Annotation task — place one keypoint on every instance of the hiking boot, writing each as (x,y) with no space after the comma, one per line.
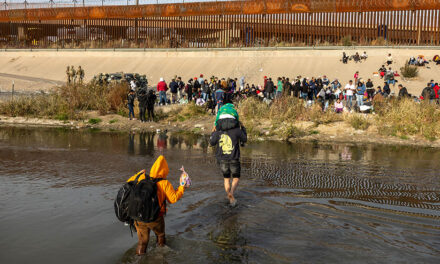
(141,250)
(161,241)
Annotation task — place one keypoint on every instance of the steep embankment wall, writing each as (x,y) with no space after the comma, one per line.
(40,70)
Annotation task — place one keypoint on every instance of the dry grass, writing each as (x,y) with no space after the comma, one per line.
(281,115)
(408,118)
(401,118)
(285,109)
(186,112)
(68,102)
(409,71)
(358,121)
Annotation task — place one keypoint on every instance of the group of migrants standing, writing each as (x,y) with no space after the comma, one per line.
(211,94)
(75,76)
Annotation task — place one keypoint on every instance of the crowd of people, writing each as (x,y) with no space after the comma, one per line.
(355,57)
(357,94)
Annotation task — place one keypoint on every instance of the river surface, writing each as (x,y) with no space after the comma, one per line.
(297,203)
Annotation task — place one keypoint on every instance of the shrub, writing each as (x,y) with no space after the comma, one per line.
(186,112)
(116,97)
(62,116)
(409,71)
(359,122)
(95,121)
(291,131)
(406,117)
(252,108)
(68,102)
(316,115)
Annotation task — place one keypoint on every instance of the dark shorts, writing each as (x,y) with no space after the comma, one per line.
(230,167)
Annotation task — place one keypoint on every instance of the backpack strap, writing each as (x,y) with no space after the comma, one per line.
(137,177)
(156,180)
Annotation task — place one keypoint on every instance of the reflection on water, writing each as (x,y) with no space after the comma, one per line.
(297,202)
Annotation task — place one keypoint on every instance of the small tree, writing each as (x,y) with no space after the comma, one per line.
(409,71)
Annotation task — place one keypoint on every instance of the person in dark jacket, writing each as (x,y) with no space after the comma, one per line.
(181,88)
(196,88)
(297,88)
(386,89)
(403,92)
(174,88)
(130,103)
(227,141)
(205,90)
(370,88)
(428,93)
(304,89)
(344,58)
(288,87)
(142,98)
(269,89)
(189,89)
(150,101)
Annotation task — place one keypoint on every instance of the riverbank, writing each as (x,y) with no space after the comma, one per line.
(341,130)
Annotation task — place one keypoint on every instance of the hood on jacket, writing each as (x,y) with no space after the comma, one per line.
(160,168)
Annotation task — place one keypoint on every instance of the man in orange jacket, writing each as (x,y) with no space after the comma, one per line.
(164,191)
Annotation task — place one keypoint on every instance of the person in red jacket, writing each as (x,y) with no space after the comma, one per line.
(437,94)
(162,89)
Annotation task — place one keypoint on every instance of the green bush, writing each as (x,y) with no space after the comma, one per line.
(409,71)
(62,116)
(95,121)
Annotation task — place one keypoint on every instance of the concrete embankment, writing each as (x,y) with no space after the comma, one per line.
(43,69)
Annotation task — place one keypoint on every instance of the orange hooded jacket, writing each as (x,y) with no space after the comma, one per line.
(165,189)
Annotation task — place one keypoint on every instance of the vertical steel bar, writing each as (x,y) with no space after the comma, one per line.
(437,27)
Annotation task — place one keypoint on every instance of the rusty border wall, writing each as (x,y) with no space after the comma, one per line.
(225,24)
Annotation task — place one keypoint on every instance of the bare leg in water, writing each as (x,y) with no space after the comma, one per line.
(230,190)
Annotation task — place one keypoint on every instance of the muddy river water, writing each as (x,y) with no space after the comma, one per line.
(297,203)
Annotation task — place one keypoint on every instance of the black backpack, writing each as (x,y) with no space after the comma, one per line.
(122,200)
(143,203)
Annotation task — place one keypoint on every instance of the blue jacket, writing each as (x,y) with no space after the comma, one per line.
(362,90)
(219,96)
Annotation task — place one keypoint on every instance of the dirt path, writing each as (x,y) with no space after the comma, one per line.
(32,79)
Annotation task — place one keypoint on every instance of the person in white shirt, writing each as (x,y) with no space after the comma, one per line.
(349,91)
(364,56)
(133,85)
(200,101)
(389,59)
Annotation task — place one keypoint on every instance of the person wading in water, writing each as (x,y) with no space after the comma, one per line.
(228,134)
